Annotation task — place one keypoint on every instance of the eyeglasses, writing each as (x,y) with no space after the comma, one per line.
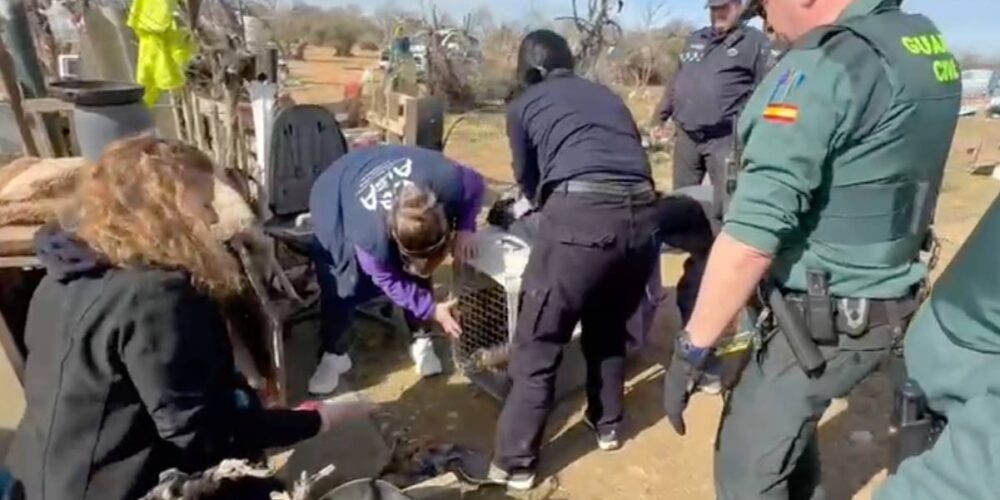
(416,262)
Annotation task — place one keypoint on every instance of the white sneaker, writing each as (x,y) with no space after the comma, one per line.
(710,383)
(426,360)
(518,481)
(326,378)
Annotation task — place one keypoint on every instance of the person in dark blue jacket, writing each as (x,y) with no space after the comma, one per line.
(384,218)
(578,156)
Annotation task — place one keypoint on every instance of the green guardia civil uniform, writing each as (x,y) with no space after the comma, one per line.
(845,143)
(952,350)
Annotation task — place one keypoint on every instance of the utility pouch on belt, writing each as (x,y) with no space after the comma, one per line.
(732,171)
(916,428)
(734,161)
(819,307)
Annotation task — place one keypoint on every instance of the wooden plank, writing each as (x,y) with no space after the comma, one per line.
(26,262)
(188,112)
(215,131)
(199,122)
(10,350)
(47,105)
(242,155)
(410,121)
(17,241)
(391,126)
(41,135)
(177,109)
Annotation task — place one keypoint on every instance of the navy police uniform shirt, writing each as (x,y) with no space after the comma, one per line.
(350,202)
(566,127)
(717,74)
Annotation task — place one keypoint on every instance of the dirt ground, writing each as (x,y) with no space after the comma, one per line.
(655,463)
(321,77)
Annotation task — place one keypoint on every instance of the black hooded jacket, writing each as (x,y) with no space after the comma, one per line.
(129,372)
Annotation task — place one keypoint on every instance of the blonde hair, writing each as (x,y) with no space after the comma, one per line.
(418,222)
(130,208)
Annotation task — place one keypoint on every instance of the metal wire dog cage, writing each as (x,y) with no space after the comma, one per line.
(488,289)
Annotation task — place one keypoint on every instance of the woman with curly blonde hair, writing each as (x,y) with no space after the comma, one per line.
(129,369)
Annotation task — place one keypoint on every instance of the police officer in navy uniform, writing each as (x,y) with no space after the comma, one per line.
(719,68)
(578,155)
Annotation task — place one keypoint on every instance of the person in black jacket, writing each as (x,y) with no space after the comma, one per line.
(578,156)
(129,369)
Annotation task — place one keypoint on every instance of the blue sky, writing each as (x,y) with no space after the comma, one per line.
(968,25)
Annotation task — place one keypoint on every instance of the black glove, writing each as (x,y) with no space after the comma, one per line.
(681,379)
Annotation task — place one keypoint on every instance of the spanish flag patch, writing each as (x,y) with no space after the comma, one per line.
(781,113)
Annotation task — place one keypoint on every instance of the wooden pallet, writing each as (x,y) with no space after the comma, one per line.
(405,119)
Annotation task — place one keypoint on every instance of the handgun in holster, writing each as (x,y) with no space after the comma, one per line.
(793,327)
(916,427)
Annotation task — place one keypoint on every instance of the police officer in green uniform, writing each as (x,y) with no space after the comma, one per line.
(952,352)
(845,146)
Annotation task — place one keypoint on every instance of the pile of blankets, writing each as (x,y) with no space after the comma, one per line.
(32,192)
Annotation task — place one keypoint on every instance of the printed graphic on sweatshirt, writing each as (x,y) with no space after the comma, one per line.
(378,188)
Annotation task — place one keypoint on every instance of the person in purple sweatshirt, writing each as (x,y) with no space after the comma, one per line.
(384,218)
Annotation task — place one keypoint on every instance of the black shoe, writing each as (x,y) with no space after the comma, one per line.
(607,440)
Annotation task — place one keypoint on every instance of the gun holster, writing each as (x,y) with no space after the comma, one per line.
(916,427)
(793,326)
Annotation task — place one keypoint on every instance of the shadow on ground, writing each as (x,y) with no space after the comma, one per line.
(448,409)
(854,439)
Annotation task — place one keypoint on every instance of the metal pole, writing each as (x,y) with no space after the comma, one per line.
(8,76)
(17,35)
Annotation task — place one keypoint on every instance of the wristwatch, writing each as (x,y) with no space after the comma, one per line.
(697,356)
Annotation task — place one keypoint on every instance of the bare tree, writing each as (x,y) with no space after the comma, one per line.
(480,22)
(642,73)
(598,31)
(442,77)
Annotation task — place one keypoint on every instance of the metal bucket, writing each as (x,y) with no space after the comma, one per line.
(365,489)
(104,111)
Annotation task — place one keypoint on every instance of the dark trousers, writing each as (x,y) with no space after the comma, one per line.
(694,159)
(689,284)
(338,313)
(590,265)
(767,446)
(683,223)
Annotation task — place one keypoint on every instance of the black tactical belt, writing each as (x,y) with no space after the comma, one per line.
(880,312)
(623,190)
